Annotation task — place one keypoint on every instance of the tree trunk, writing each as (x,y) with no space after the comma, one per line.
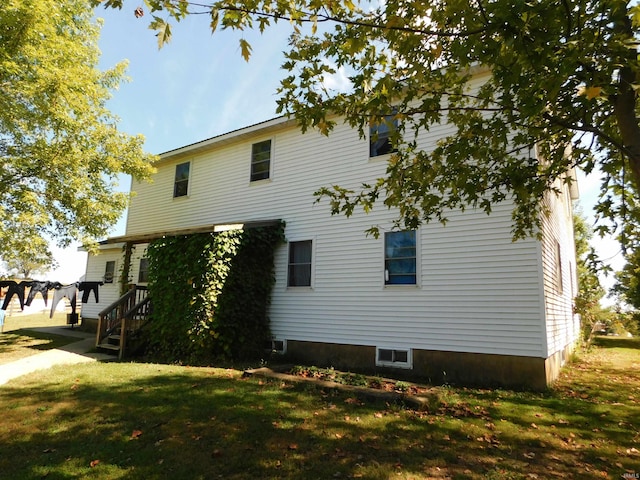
(624,102)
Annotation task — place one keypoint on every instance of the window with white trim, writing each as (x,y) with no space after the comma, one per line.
(393,357)
(261,160)
(380,136)
(143,271)
(400,262)
(109,271)
(299,271)
(181,181)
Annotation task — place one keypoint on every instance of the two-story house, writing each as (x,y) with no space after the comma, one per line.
(455,303)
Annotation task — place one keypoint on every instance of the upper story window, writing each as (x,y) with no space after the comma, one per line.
(260,160)
(380,136)
(181,182)
(143,271)
(400,258)
(299,274)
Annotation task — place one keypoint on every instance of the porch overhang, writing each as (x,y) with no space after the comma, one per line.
(210,228)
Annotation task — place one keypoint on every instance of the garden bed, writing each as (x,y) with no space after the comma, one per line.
(370,387)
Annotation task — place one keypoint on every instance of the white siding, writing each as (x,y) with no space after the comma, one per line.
(107,293)
(478,291)
(562,326)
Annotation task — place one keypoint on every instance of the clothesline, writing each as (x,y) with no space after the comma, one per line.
(42,287)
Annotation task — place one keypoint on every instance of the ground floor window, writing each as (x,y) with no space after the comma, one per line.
(392,357)
(299,272)
(400,258)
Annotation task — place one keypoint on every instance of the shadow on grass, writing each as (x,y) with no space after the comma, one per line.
(33,340)
(115,421)
(617,342)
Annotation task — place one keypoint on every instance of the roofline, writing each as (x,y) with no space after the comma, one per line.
(266,126)
(208,228)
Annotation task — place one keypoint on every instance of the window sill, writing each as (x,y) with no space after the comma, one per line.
(263,181)
(403,286)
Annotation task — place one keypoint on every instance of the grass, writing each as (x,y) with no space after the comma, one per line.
(148,421)
(18,341)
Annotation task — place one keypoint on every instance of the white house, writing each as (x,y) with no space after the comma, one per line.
(456,303)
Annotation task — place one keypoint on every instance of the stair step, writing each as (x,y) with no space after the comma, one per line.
(109,346)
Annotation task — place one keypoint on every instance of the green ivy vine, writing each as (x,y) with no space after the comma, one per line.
(210,294)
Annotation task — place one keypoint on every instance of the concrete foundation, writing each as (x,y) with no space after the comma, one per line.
(438,367)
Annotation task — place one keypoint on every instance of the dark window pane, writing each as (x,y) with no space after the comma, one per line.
(400,258)
(181,182)
(299,264)
(379,137)
(260,160)
(399,266)
(385,355)
(182,171)
(109,271)
(143,272)
(401,356)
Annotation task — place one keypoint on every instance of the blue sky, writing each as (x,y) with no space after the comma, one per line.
(194,88)
(199,86)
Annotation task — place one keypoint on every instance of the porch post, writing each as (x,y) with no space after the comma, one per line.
(126,267)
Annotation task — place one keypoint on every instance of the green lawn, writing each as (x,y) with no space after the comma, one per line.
(148,421)
(17,341)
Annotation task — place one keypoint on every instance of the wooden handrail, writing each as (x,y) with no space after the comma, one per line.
(120,313)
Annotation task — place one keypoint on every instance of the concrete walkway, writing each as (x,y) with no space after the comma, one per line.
(72,353)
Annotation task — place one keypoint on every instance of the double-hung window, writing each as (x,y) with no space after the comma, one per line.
(181,181)
(400,258)
(260,160)
(109,271)
(143,271)
(299,272)
(380,136)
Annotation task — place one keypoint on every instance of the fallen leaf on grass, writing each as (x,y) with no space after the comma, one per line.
(136,433)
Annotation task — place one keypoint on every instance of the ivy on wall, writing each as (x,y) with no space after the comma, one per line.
(210,294)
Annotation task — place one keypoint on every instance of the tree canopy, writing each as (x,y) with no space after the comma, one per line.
(60,149)
(562,88)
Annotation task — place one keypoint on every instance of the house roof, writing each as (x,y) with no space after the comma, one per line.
(267,126)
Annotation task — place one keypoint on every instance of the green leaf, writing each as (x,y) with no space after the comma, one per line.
(245,49)
(163,30)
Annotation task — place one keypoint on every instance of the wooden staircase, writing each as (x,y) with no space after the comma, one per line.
(121,319)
